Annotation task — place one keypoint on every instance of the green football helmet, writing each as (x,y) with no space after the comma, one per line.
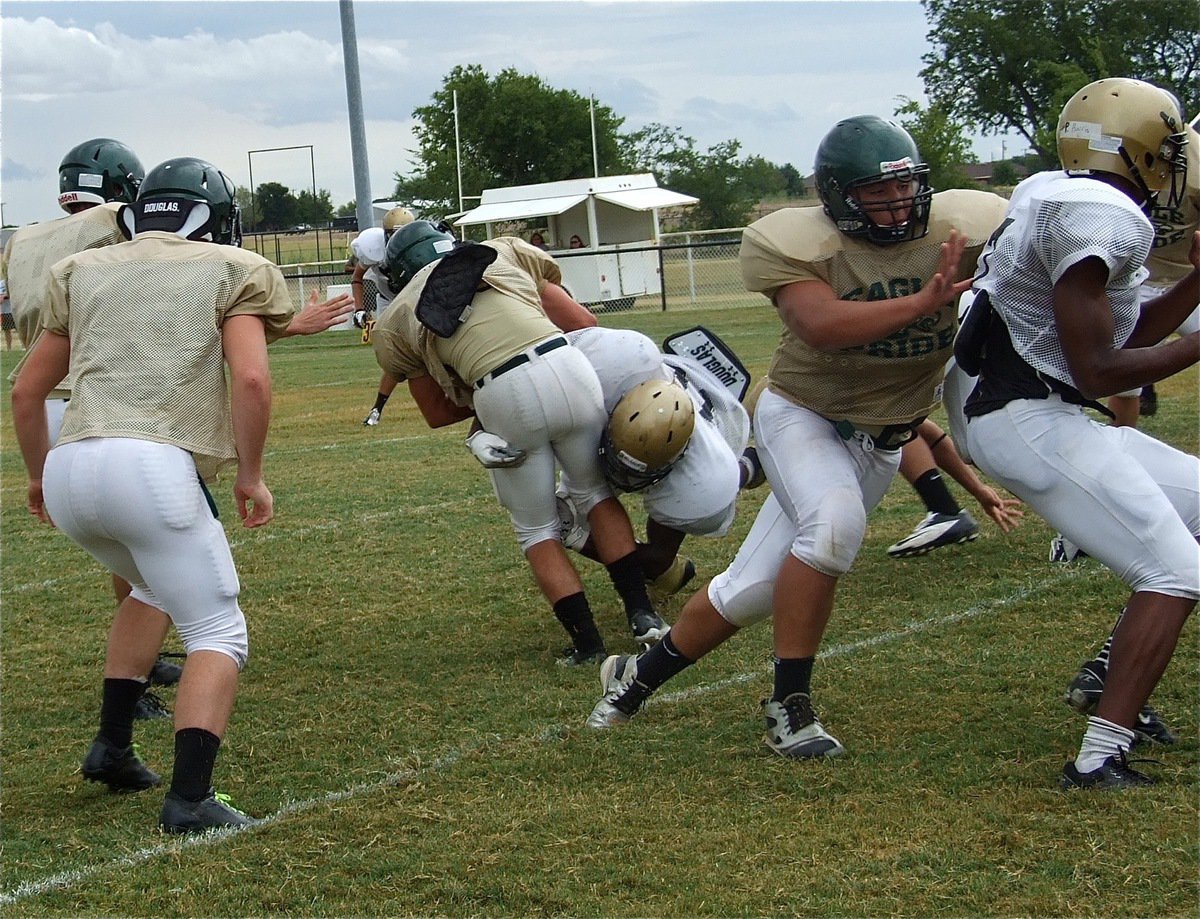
(189,182)
(412,247)
(98,171)
(862,151)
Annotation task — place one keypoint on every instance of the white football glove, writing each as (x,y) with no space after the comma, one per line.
(493,451)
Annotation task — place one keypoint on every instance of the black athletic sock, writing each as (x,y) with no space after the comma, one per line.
(659,664)
(195,754)
(117,705)
(933,491)
(792,675)
(575,614)
(630,583)
(381,401)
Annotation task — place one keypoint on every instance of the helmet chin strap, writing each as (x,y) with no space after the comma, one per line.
(1148,196)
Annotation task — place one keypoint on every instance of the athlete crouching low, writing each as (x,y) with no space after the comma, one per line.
(151,418)
(473,331)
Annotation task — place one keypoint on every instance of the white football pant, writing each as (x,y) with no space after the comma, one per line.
(137,507)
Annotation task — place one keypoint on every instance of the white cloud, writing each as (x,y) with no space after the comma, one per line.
(256,75)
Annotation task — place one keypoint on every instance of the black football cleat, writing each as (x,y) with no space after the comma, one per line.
(120,769)
(212,812)
(1113,774)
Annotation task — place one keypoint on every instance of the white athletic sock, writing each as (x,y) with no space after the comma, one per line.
(1101,740)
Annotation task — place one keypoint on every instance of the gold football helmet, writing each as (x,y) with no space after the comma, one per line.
(1127,128)
(395,219)
(646,434)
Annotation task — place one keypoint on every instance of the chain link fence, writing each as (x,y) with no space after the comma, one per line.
(699,270)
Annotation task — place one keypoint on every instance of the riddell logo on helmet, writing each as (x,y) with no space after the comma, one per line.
(896,165)
(69,197)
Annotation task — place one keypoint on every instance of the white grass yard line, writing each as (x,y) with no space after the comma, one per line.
(66,879)
(1060,574)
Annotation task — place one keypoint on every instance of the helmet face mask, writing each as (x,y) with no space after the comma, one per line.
(867,168)
(192,198)
(648,431)
(1127,128)
(98,171)
(413,246)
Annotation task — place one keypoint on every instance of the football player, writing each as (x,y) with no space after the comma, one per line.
(1056,325)
(865,288)
(1168,263)
(369,248)
(95,179)
(675,436)
(475,330)
(144,430)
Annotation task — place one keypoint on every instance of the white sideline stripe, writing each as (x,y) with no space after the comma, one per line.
(278,534)
(453,757)
(179,843)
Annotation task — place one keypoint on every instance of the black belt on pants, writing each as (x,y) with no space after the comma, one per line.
(523,358)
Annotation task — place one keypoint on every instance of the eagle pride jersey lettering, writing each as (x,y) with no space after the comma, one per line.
(898,378)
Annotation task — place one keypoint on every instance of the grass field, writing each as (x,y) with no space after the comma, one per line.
(415,751)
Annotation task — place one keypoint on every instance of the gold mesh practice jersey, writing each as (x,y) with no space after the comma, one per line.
(1174,226)
(505,319)
(898,378)
(144,320)
(33,249)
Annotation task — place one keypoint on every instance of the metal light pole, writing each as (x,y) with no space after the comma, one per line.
(358,133)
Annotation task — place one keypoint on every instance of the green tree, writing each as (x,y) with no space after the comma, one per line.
(941,142)
(656,148)
(793,182)
(1005,173)
(728,188)
(248,206)
(1010,65)
(315,210)
(276,205)
(514,129)
(349,209)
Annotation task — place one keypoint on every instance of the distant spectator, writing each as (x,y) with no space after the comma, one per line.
(536,240)
(576,242)
(9,325)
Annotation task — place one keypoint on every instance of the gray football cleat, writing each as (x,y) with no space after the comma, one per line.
(793,729)
(618,704)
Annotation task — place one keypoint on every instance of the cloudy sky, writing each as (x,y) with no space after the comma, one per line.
(219,79)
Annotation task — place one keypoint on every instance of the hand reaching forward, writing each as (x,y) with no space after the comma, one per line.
(942,288)
(317,317)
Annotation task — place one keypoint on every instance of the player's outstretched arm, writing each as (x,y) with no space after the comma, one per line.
(317,317)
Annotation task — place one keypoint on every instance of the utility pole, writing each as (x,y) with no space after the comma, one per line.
(358,133)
